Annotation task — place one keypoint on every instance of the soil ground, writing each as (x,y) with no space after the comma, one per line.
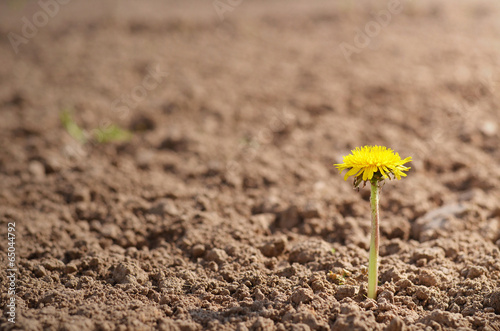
(223,211)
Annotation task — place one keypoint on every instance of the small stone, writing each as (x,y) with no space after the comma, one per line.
(489,128)
(36,169)
(198,250)
(302,295)
(217,255)
(346,291)
(164,206)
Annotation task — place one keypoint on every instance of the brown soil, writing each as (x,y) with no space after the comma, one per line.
(222,211)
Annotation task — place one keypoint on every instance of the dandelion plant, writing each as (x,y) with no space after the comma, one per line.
(373,164)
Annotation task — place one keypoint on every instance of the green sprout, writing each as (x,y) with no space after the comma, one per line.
(373,164)
(71,127)
(109,133)
(340,278)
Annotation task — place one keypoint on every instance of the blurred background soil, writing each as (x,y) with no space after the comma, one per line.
(223,211)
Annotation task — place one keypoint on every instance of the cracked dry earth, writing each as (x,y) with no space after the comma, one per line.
(224,212)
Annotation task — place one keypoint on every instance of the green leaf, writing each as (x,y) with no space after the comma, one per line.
(71,127)
(111,133)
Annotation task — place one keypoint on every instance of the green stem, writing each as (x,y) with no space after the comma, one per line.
(374,242)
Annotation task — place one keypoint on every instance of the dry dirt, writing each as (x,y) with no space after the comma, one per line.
(224,212)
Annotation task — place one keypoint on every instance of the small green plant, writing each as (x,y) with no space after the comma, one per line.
(71,127)
(341,278)
(109,133)
(338,279)
(373,164)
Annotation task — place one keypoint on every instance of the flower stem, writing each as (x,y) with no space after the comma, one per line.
(374,242)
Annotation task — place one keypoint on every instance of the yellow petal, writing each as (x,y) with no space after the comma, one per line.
(351,172)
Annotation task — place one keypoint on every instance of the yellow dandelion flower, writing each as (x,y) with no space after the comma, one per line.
(373,163)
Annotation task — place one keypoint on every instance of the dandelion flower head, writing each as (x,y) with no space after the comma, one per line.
(373,163)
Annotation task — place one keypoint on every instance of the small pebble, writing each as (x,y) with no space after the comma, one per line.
(489,128)
(198,250)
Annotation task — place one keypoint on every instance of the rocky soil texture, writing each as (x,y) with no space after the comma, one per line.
(223,211)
